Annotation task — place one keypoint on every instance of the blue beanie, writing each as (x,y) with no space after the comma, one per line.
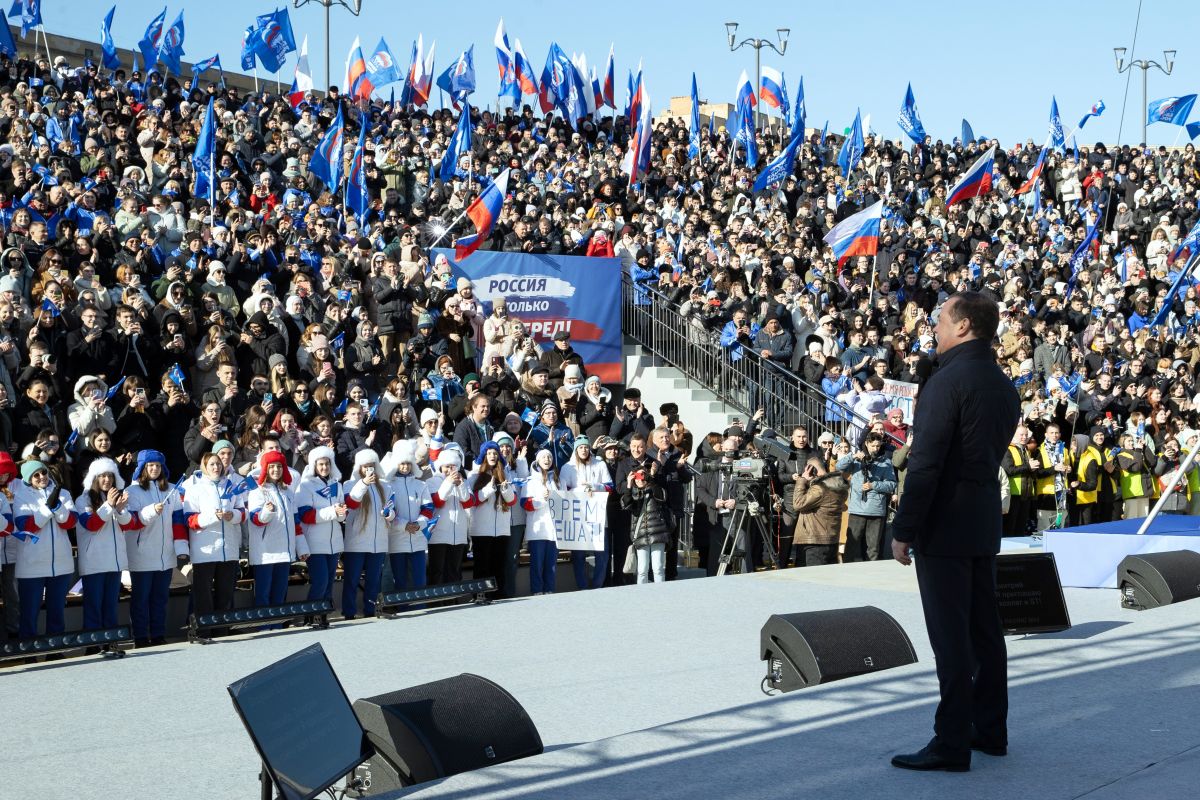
(150,456)
(483,448)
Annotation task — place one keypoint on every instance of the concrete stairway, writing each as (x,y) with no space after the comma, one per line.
(699,408)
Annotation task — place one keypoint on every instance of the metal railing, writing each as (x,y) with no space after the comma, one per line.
(746,383)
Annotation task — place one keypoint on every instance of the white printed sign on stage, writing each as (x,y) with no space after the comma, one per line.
(579,519)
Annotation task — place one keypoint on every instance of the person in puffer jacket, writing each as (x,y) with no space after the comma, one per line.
(321,504)
(540,534)
(214,508)
(407,545)
(370,513)
(42,515)
(157,512)
(103,512)
(90,411)
(589,474)
(276,539)
(494,496)
(649,533)
(452,502)
(517,472)
(8,545)
(872,484)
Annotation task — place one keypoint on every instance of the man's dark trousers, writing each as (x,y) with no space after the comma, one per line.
(958,595)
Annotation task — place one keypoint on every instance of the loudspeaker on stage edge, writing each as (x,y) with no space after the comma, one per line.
(1158,579)
(815,647)
(442,728)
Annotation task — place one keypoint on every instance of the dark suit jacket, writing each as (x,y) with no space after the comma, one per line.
(964,419)
(707,487)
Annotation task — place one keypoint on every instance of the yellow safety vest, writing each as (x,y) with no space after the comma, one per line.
(1016,483)
(1133,484)
(1046,485)
(1091,455)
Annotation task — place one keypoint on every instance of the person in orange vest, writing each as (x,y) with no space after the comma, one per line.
(1019,471)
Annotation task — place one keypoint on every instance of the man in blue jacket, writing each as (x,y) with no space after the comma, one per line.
(872,484)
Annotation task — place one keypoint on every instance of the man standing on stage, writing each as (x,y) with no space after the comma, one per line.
(949,517)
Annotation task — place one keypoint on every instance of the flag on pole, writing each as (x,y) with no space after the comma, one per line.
(358,199)
(484,212)
(150,40)
(302,82)
(608,88)
(175,373)
(358,81)
(272,39)
(459,146)
(910,120)
(694,128)
(200,67)
(852,149)
(975,181)
(29,12)
(770,89)
(1057,137)
(170,46)
(637,159)
(8,45)
(1174,110)
(1036,172)
(108,48)
(1184,274)
(506,64)
(423,81)
(202,157)
(526,77)
(800,111)
(1096,111)
(326,162)
(781,167)
(856,235)
(743,120)
(968,135)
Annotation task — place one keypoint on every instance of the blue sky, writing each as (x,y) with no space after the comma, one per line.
(996,65)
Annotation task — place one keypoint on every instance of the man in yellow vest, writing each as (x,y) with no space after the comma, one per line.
(1136,462)
(1052,477)
(1021,484)
(1096,485)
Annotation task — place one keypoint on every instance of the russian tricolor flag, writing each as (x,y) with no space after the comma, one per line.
(358,84)
(525,75)
(1037,171)
(745,92)
(771,90)
(637,158)
(975,181)
(857,235)
(302,83)
(483,212)
(608,89)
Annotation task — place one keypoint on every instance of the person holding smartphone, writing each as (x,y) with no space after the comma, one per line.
(90,411)
(370,512)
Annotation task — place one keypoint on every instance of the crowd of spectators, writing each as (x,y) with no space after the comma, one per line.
(148,336)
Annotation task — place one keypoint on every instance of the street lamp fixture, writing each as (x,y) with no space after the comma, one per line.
(758,45)
(1144,66)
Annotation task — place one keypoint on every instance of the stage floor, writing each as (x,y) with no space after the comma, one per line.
(649,691)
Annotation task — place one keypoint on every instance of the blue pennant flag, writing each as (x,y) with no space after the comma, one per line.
(459,146)
(780,168)
(175,373)
(968,135)
(1174,110)
(1057,137)
(112,392)
(529,417)
(910,121)
(338,342)
(170,47)
(108,48)
(48,307)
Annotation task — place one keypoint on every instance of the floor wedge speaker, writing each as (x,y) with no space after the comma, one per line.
(443,728)
(821,646)
(1150,580)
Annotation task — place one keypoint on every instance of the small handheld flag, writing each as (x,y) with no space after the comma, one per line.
(175,373)
(111,393)
(48,307)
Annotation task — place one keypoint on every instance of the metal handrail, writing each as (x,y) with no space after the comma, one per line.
(747,383)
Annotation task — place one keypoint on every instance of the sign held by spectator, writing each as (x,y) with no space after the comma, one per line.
(579,519)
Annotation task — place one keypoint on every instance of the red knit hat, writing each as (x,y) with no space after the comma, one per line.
(273,457)
(7,465)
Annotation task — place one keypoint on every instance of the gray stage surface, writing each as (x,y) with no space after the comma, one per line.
(648,692)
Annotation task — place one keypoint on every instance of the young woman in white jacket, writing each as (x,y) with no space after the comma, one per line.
(588,473)
(42,515)
(369,515)
(493,497)
(103,511)
(275,536)
(321,504)
(8,545)
(517,471)
(214,508)
(541,539)
(157,517)
(452,502)
(407,546)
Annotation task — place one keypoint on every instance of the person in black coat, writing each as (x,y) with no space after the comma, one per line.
(949,516)
(631,418)
(259,341)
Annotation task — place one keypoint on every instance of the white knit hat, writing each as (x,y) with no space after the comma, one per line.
(449,458)
(315,455)
(98,468)
(364,457)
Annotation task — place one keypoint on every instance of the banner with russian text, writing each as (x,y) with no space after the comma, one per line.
(579,519)
(577,294)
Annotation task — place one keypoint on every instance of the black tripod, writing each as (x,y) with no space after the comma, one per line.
(748,516)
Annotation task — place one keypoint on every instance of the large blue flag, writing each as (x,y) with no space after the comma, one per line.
(170,47)
(743,120)
(326,162)
(202,158)
(1174,110)
(108,48)
(778,170)
(248,41)
(459,146)
(910,121)
(358,199)
(150,40)
(801,111)
(852,149)
(1079,257)
(1057,137)
(381,67)
(563,86)
(272,39)
(968,135)
(458,79)
(1184,274)
(8,45)
(201,67)
(29,12)
(694,128)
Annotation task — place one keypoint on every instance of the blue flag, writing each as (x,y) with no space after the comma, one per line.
(381,67)
(1174,110)
(910,121)
(801,111)
(390,505)
(202,157)
(694,128)
(968,135)
(175,373)
(54,133)
(248,41)
(108,47)
(1057,137)
(170,47)
(72,440)
(150,40)
(529,417)
(326,162)
(852,149)
(1096,111)
(1184,274)
(48,307)
(743,120)
(327,491)
(112,392)
(1080,256)
(272,39)
(29,12)
(778,170)
(459,146)
(200,67)
(462,77)
(8,46)
(338,342)
(358,199)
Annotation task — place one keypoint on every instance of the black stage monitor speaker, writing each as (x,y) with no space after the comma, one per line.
(1029,594)
(821,646)
(443,728)
(1158,579)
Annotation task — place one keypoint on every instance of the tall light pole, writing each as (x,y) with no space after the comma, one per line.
(1144,66)
(355,8)
(758,45)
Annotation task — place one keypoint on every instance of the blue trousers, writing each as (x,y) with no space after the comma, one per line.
(270,583)
(579,564)
(101,591)
(321,569)
(408,570)
(353,565)
(148,603)
(31,591)
(542,555)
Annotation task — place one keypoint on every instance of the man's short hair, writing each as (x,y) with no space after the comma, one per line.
(979,310)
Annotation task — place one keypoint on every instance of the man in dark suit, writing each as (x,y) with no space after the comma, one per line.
(949,516)
(715,495)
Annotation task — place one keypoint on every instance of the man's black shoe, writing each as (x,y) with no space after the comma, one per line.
(988,748)
(928,759)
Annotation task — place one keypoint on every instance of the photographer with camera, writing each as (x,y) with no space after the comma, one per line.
(818,499)
(872,483)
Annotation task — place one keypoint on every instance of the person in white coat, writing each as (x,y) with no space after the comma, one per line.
(42,514)
(541,538)
(157,516)
(321,504)
(276,539)
(587,473)
(370,512)
(452,502)
(8,546)
(407,546)
(493,498)
(517,471)
(214,508)
(102,509)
